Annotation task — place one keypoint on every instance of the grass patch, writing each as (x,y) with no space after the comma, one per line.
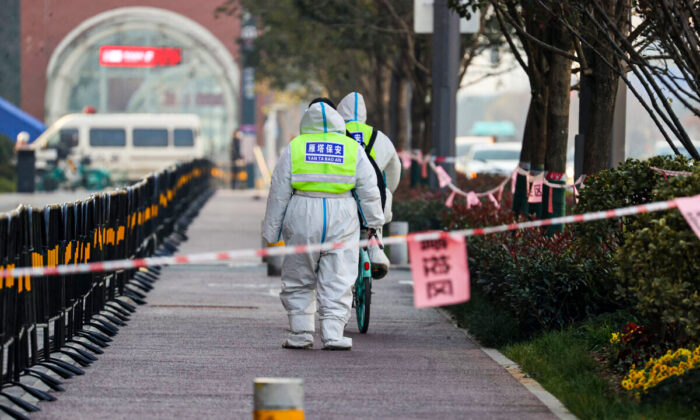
(564,361)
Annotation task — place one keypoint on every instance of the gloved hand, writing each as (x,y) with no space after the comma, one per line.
(372,233)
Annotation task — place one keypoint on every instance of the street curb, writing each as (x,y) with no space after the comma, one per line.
(549,400)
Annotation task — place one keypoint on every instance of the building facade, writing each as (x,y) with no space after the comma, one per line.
(62,69)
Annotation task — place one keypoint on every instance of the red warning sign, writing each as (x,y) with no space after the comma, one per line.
(440,271)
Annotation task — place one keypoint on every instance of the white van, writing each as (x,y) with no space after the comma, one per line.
(136,144)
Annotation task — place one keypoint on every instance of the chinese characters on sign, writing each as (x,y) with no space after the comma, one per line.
(536,191)
(359,137)
(439,270)
(322,152)
(133,56)
(690,209)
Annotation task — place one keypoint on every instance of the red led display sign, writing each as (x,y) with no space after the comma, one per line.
(131,56)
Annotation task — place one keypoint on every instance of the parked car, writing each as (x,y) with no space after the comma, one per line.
(495,158)
(463,145)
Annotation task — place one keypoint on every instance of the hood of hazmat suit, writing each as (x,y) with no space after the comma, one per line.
(352,108)
(310,217)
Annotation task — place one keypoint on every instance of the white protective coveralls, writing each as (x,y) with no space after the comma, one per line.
(352,108)
(303,217)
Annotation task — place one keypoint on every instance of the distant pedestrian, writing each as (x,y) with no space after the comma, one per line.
(22,141)
(237,162)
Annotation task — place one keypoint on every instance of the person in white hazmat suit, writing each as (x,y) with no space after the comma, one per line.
(381,150)
(310,201)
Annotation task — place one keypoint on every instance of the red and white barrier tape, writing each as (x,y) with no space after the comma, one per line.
(545,181)
(666,172)
(113,265)
(430,161)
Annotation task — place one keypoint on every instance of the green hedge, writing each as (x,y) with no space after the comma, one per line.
(647,264)
(658,265)
(631,183)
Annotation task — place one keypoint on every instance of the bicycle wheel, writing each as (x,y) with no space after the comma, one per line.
(363,293)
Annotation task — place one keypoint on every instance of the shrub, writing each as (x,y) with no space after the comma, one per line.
(659,265)
(544,281)
(492,325)
(422,212)
(631,183)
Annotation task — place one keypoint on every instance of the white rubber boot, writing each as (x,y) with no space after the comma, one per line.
(332,335)
(299,340)
(301,329)
(380,262)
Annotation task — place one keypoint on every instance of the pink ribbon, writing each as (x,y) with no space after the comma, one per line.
(494,201)
(472,199)
(444,179)
(450,199)
(405,159)
(424,169)
(575,194)
(514,178)
(499,194)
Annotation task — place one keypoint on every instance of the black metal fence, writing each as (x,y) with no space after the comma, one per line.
(45,321)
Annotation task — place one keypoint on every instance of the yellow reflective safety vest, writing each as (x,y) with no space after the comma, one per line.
(324,162)
(362,133)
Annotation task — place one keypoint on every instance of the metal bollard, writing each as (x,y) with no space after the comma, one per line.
(398,253)
(278,399)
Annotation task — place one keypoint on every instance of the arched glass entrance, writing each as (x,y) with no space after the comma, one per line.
(205,82)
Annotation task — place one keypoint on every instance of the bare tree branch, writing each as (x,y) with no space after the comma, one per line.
(523,33)
(509,39)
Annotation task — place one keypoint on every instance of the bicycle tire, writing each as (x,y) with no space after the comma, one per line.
(367,292)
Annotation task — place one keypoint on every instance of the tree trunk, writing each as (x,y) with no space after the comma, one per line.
(553,200)
(598,134)
(421,129)
(603,82)
(538,141)
(520,204)
(394,107)
(538,25)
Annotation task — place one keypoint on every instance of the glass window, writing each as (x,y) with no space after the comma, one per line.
(107,137)
(183,137)
(496,154)
(150,137)
(69,137)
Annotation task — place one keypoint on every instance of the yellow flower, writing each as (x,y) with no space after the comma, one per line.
(615,338)
(655,371)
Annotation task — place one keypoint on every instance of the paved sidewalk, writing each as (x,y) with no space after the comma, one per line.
(207,331)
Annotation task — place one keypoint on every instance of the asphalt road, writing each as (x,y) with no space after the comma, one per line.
(207,331)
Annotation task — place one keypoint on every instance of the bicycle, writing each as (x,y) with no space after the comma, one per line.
(362,291)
